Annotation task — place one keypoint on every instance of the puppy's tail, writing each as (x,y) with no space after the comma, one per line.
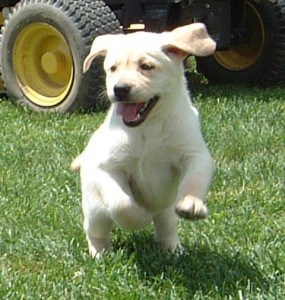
(76,164)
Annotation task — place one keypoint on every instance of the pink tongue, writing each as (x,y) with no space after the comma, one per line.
(129,111)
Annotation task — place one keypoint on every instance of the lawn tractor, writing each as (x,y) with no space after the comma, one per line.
(43,44)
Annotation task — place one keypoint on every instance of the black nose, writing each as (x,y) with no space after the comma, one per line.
(122,91)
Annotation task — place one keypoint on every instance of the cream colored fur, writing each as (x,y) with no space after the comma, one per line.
(133,176)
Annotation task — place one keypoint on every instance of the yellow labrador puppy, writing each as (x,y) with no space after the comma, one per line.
(148,161)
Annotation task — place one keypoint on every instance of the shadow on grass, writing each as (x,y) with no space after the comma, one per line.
(198,269)
(231,92)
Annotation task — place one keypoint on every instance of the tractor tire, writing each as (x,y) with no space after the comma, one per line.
(43,46)
(259,61)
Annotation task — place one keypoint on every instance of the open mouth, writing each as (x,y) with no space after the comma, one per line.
(133,114)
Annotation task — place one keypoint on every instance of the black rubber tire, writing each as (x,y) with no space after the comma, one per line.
(79,22)
(269,67)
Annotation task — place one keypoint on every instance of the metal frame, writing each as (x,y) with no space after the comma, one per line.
(222,17)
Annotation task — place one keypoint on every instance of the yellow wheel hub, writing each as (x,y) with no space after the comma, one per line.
(244,56)
(43,64)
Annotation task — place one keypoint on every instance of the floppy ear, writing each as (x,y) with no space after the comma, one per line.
(99,48)
(190,39)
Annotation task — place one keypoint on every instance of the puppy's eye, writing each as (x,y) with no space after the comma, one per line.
(113,68)
(146,67)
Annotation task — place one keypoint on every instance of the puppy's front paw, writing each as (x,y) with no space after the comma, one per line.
(191,208)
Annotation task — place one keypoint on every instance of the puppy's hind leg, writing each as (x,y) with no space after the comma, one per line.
(97,224)
(108,200)
(97,228)
(166,230)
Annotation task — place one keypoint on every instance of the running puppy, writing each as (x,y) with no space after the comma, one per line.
(148,161)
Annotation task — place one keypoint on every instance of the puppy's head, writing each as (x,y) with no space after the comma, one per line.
(141,67)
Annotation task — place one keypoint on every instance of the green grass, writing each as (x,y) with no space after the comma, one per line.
(238,253)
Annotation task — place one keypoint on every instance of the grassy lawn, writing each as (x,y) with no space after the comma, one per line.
(238,253)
